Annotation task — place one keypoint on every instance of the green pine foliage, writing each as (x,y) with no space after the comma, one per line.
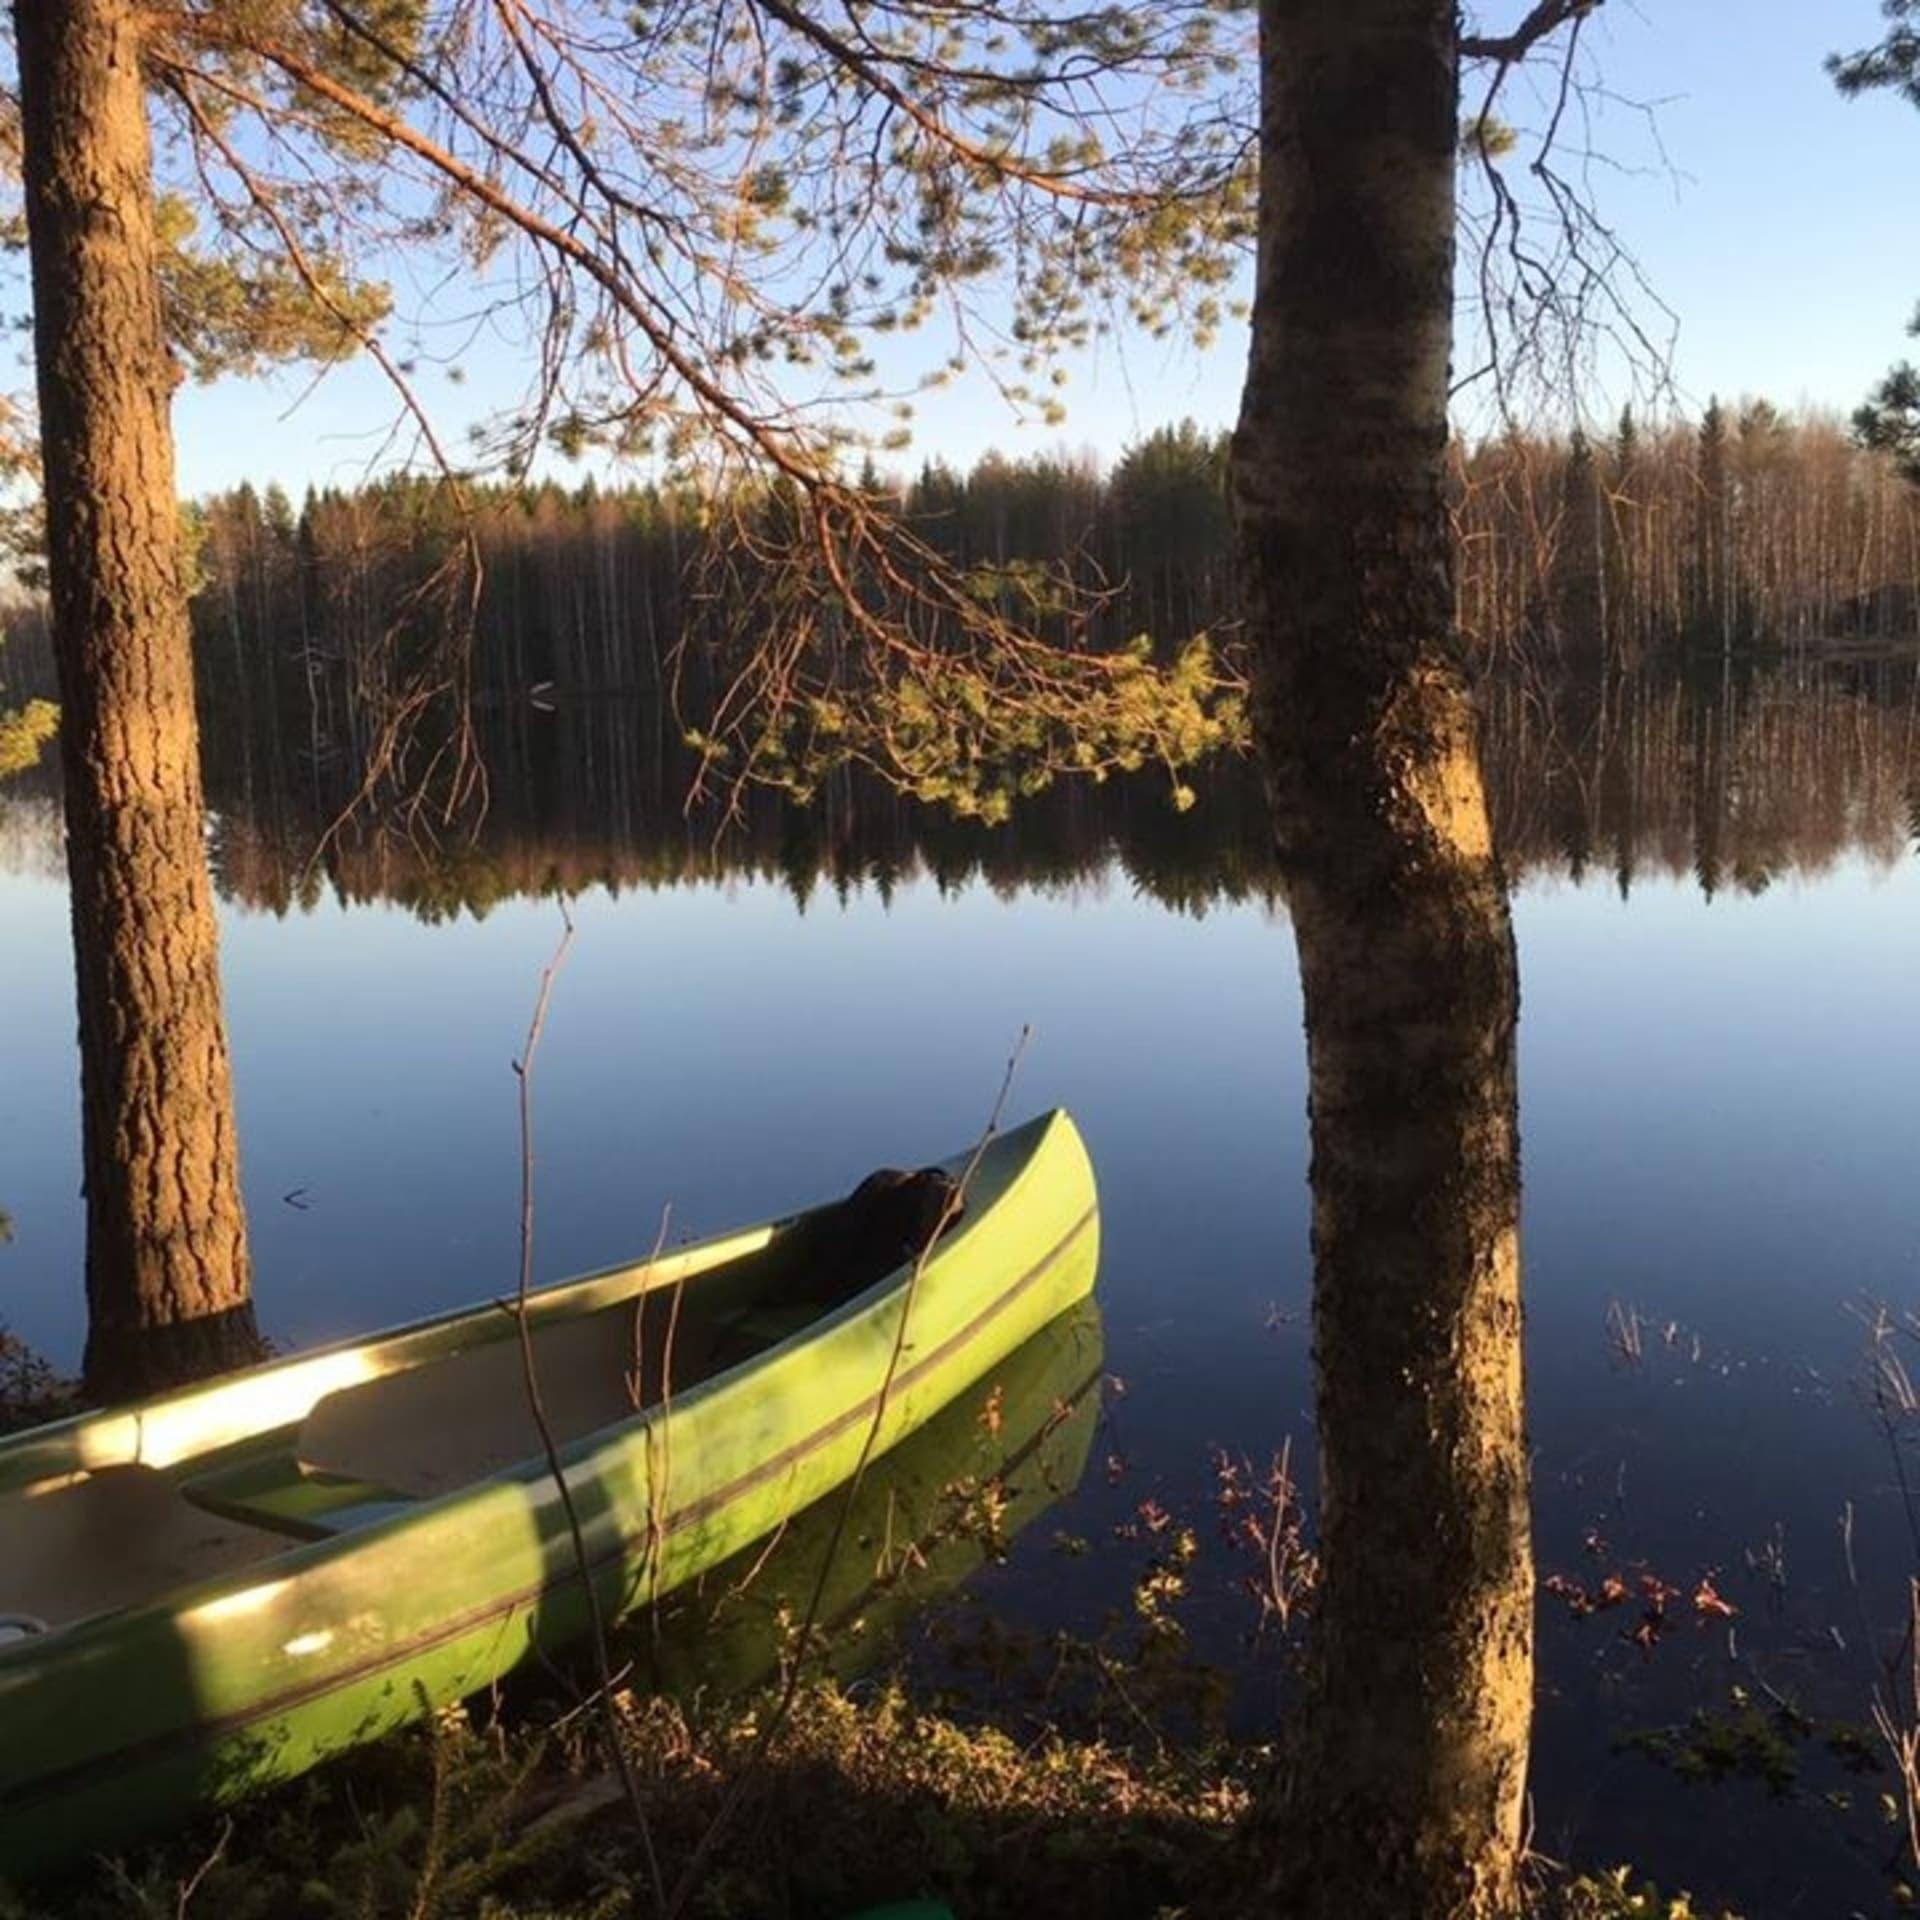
(236,297)
(1894,62)
(229,313)
(1889,420)
(24,731)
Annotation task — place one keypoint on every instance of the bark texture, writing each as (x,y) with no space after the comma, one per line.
(167,1274)
(1402,1791)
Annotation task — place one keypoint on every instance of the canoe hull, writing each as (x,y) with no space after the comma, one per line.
(129,1722)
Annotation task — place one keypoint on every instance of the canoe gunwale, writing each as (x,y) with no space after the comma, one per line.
(43,1458)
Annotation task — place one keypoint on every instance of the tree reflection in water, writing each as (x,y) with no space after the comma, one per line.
(1739,780)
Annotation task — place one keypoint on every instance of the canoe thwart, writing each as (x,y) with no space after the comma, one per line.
(274,1490)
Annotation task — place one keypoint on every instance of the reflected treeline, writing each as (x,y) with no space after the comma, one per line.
(1736,778)
(594,796)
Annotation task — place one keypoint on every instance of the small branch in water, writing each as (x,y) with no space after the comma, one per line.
(1267,1518)
(191,1885)
(1623,1333)
(1896,1717)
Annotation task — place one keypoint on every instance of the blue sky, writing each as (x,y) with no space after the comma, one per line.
(1778,221)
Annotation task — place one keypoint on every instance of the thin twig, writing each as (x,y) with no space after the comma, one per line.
(530,1379)
(770,1728)
(191,1885)
(1897,1721)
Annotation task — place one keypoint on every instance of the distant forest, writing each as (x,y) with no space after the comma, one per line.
(1650,615)
(1751,528)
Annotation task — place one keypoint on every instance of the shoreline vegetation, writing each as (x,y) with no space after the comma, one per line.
(863,1799)
(875,1787)
(1090,1776)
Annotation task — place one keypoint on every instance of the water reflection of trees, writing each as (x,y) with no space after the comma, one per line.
(1736,777)
(1738,780)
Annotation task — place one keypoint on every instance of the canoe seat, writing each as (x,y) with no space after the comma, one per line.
(275,1490)
(450,1422)
(112,1539)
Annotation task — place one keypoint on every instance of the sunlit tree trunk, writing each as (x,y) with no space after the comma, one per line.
(1402,1787)
(167,1276)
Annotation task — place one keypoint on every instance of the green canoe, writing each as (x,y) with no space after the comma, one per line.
(228,1585)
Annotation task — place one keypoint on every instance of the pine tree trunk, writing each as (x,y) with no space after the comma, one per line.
(1402,1788)
(167,1278)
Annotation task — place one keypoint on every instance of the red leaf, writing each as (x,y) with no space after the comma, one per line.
(1708,1600)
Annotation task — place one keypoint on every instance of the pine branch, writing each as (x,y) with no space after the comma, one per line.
(1546,19)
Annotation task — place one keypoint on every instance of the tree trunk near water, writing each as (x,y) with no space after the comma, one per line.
(1400,1795)
(167,1274)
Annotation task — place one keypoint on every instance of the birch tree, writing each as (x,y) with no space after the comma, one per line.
(1402,1788)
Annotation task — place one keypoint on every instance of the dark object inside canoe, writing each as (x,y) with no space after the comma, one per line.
(828,1256)
(887,1221)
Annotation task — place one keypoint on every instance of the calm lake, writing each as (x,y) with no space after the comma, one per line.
(1718,909)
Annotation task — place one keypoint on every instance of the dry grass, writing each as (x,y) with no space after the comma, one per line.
(859,1799)
(31,1393)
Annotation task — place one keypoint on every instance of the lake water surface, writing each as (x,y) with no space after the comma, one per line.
(1718,912)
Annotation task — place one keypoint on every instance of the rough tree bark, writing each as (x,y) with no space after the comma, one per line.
(1402,1791)
(167,1273)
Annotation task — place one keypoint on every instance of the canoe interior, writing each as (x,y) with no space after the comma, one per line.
(83,1544)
